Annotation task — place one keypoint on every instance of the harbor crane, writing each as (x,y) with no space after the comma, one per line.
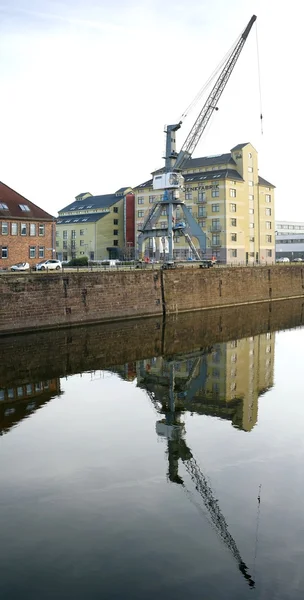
(170,179)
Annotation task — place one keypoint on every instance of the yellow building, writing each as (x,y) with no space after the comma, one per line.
(231,202)
(96,226)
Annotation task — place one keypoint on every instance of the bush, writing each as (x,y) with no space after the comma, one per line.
(82,261)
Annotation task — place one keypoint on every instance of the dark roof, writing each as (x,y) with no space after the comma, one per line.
(13,200)
(205,161)
(83,194)
(213,175)
(148,183)
(122,190)
(263,181)
(239,146)
(93,218)
(103,201)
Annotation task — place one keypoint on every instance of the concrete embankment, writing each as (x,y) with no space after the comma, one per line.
(54,300)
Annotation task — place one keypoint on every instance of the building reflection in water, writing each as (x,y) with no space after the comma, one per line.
(20,401)
(225,380)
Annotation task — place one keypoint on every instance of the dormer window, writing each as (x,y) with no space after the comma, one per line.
(3,206)
(24,207)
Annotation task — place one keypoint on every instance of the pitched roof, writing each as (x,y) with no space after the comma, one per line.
(205,161)
(91,218)
(103,201)
(213,175)
(263,181)
(239,146)
(148,183)
(13,201)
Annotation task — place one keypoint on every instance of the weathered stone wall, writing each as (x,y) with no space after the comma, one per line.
(52,300)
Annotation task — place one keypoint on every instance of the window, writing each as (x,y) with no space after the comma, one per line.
(115,222)
(268,212)
(232,193)
(233,222)
(251,254)
(215,193)
(14,229)
(41,229)
(32,229)
(151,199)
(267,198)
(188,195)
(201,196)
(251,225)
(73,234)
(23,229)
(249,154)
(81,242)
(269,253)
(232,207)
(268,224)
(234,254)
(140,213)
(215,208)
(140,200)
(251,211)
(233,237)
(73,244)
(163,225)
(216,241)
(269,239)
(115,232)
(251,197)
(115,242)
(201,211)
(250,170)
(251,239)
(65,235)
(4,229)
(57,244)
(81,232)
(65,244)
(3,206)
(164,212)
(250,183)
(115,209)
(32,252)
(215,225)
(4,252)
(24,207)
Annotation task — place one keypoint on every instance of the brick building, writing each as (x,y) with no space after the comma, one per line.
(27,233)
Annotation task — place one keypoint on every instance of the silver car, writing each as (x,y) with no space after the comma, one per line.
(48,265)
(22,266)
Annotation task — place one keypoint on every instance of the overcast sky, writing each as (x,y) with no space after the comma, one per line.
(87,87)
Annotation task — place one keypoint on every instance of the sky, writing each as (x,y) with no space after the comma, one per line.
(87,88)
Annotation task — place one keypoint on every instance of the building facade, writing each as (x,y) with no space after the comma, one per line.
(99,227)
(27,233)
(232,203)
(290,240)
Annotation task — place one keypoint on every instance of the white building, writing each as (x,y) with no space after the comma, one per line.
(289,239)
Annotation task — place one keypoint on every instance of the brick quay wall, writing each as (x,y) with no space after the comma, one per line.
(54,300)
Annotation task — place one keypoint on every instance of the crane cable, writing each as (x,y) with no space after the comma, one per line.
(259,77)
(208,82)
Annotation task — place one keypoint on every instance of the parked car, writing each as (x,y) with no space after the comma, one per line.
(284,259)
(49,264)
(298,259)
(22,266)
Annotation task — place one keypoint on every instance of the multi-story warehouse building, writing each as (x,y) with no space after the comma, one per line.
(98,227)
(231,202)
(27,232)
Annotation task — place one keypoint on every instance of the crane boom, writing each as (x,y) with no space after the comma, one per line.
(211,103)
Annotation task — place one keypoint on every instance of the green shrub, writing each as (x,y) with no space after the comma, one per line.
(82,261)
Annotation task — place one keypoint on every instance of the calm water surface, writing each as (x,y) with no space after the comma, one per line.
(175,477)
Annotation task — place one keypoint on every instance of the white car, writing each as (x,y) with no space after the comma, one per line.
(284,259)
(49,265)
(24,266)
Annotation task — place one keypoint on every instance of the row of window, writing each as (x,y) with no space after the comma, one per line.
(23,390)
(202,196)
(24,207)
(24,229)
(234,253)
(34,252)
(297,241)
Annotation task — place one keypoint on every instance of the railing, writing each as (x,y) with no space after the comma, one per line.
(215,228)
